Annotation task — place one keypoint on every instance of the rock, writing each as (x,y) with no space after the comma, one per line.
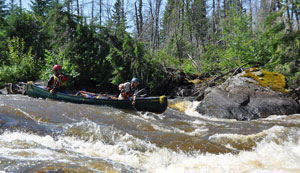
(246,97)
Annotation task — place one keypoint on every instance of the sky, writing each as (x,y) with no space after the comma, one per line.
(129,8)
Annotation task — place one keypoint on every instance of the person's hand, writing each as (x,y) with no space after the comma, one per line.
(52,91)
(121,87)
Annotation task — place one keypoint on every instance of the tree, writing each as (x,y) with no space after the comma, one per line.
(100,12)
(20,65)
(139,18)
(3,13)
(118,17)
(3,44)
(3,9)
(41,7)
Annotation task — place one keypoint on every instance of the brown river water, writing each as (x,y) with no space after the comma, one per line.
(43,135)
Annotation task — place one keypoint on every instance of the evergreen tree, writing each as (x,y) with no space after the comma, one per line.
(3,45)
(118,16)
(3,10)
(41,7)
(22,25)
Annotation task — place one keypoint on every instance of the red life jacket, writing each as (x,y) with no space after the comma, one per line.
(129,94)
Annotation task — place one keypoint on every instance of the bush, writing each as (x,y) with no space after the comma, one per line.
(53,59)
(20,65)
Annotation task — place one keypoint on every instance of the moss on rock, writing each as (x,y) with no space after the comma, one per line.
(275,81)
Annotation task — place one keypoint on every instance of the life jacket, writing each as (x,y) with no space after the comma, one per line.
(59,81)
(127,94)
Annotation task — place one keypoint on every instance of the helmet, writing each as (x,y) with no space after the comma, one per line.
(134,80)
(56,67)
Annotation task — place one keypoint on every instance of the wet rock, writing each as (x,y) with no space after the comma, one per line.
(3,91)
(246,97)
(16,88)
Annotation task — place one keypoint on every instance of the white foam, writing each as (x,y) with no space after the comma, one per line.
(270,155)
(267,157)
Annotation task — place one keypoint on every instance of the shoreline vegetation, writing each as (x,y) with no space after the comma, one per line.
(174,55)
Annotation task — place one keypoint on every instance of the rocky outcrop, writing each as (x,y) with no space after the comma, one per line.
(249,95)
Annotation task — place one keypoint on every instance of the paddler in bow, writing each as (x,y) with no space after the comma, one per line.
(57,81)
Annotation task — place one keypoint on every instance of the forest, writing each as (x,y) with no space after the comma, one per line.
(102,43)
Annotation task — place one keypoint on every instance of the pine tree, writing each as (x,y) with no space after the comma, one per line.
(3,45)
(41,7)
(118,16)
(3,9)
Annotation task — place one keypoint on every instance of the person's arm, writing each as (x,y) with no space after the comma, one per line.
(133,100)
(49,85)
(134,97)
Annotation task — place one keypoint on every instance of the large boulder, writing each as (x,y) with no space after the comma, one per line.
(249,95)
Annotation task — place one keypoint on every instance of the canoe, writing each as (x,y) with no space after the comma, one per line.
(149,104)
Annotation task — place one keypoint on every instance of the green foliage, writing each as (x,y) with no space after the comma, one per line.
(57,58)
(41,7)
(62,30)
(154,69)
(101,56)
(22,25)
(21,66)
(120,58)
(3,12)
(166,59)
(189,67)
(238,43)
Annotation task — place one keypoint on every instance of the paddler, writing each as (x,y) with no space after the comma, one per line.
(57,81)
(129,90)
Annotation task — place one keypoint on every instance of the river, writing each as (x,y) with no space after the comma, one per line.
(42,135)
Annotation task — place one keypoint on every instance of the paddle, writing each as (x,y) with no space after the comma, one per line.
(56,84)
(140,91)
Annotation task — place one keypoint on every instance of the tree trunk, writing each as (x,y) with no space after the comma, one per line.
(182,17)
(123,11)
(214,17)
(218,15)
(108,10)
(288,16)
(77,4)
(140,9)
(157,11)
(225,8)
(151,26)
(251,13)
(93,10)
(294,8)
(137,20)
(100,12)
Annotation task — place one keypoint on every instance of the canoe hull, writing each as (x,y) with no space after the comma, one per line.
(149,104)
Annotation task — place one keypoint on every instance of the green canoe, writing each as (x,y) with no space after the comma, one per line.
(149,104)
